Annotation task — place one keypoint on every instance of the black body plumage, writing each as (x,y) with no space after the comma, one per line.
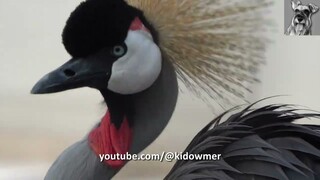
(255,144)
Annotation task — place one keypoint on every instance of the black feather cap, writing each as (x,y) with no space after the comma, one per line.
(96,24)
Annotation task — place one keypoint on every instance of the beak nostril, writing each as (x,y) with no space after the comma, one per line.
(69,73)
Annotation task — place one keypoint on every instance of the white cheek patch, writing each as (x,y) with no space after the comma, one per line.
(139,68)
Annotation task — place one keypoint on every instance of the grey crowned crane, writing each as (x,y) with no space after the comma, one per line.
(131,52)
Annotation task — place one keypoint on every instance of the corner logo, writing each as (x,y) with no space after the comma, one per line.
(301,23)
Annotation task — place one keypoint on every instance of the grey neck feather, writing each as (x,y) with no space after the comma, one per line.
(153,109)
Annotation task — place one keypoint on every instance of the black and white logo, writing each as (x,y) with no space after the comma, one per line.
(302,18)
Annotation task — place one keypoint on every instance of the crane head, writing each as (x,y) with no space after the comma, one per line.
(112,47)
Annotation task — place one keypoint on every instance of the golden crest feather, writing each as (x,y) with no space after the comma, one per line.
(215,45)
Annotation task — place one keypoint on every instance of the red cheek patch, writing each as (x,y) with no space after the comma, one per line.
(137,25)
(107,139)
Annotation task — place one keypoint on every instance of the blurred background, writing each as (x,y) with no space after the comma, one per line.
(34,130)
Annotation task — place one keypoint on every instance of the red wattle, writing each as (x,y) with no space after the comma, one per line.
(107,139)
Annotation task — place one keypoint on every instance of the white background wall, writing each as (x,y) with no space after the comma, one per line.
(35,129)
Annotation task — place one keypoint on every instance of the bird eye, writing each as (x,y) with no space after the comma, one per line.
(119,50)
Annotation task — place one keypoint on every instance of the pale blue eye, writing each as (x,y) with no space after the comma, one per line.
(119,51)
